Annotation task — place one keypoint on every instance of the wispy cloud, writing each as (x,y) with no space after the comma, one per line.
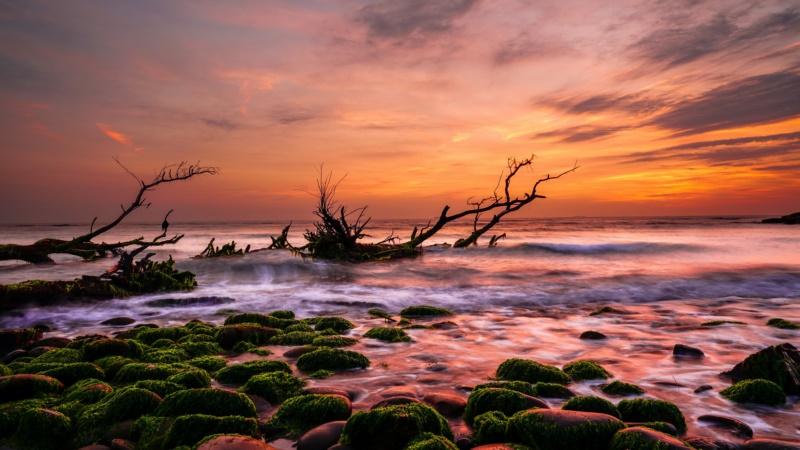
(580,133)
(403,19)
(223,124)
(117,136)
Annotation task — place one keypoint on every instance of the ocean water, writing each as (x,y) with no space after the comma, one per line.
(528,297)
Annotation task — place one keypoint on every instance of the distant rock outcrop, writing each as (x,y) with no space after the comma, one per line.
(791,219)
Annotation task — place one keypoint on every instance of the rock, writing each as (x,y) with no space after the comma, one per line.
(392,401)
(230,335)
(736,426)
(19,353)
(667,428)
(300,414)
(771,444)
(118,321)
(791,219)
(779,363)
(330,390)
(399,391)
(22,386)
(448,405)
(95,447)
(263,407)
(39,351)
(215,402)
(556,429)
(650,410)
(341,447)
(703,443)
(436,367)
(191,301)
(332,359)
(498,399)
(592,335)
(57,342)
(645,438)
(11,340)
(685,350)
(391,428)
(517,369)
(493,447)
(703,388)
(299,351)
(120,430)
(322,437)
(122,444)
(447,325)
(234,443)
(462,437)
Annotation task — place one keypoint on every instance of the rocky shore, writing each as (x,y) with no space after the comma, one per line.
(262,381)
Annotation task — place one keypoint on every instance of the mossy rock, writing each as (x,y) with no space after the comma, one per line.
(430,441)
(425,311)
(4,370)
(11,413)
(606,310)
(393,427)
(388,334)
(519,386)
(210,364)
(102,348)
(621,388)
(43,429)
(332,359)
(322,374)
(70,374)
(149,431)
(240,373)
(24,386)
(299,326)
(192,379)
(87,391)
(60,355)
(216,402)
(334,341)
(274,387)
(779,363)
(552,390)
(586,370)
(192,428)
(150,335)
(591,403)
(111,365)
(379,313)
(304,412)
(283,314)
(490,428)
(162,388)
(641,438)
(497,399)
(198,349)
(165,356)
(120,405)
(337,324)
(163,343)
(230,335)
(716,323)
(562,430)
(294,338)
(517,369)
(242,347)
(783,324)
(649,410)
(661,427)
(260,319)
(134,372)
(763,392)
(34,367)
(198,337)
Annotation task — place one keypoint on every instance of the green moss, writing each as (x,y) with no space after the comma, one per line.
(149,432)
(338,324)
(210,364)
(87,391)
(586,370)
(648,410)
(229,335)
(388,334)
(192,378)
(22,386)
(163,343)
(11,413)
(661,427)
(418,326)
(161,388)
(328,332)
(197,349)
(392,427)
(240,373)
(759,391)
(552,390)
(379,313)
(294,338)
(783,324)
(304,412)
(606,310)
(4,370)
(260,351)
(189,429)
(300,326)
(274,387)
(123,404)
(495,399)
(631,440)
(198,337)
(201,329)
(519,386)
(404,322)
(242,347)
(536,430)
(590,403)
(332,359)
(102,348)
(425,311)
(430,441)
(60,355)
(716,323)
(216,402)
(69,374)
(322,374)
(111,365)
(43,429)
(621,388)
(168,356)
(134,372)
(775,363)
(334,341)
(283,314)
(260,319)
(35,367)
(516,369)
(490,427)
(151,335)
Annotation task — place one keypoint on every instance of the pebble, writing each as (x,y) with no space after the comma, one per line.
(703,388)
(118,321)
(448,405)
(736,426)
(687,351)
(592,335)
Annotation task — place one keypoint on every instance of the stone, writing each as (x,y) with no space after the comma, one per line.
(191,301)
(299,351)
(39,351)
(122,444)
(625,439)
(447,325)
(703,388)
(58,342)
(22,386)
(18,353)
(234,443)
(557,429)
(736,426)
(771,444)
(121,430)
(11,340)
(687,351)
(330,391)
(399,391)
(322,437)
(493,447)
(95,447)
(791,219)
(779,363)
(669,428)
(592,335)
(462,437)
(118,321)
(448,405)
(704,443)
(391,401)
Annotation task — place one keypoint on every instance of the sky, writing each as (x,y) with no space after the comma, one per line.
(669,107)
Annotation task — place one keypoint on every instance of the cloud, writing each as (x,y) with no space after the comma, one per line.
(580,133)
(746,102)
(117,136)
(224,124)
(638,103)
(523,47)
(401,19)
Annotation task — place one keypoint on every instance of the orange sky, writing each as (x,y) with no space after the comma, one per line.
(670,107)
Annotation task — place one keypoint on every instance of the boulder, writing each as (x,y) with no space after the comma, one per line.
(118,321)
(736,426)
(687,351)
(640,438)
(562,430)
(779,363)
(771,444)
(322,437)
(448,405)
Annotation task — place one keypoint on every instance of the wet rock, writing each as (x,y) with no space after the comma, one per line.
(299,351)
(122,444)
(687,351)
(704,443)
(669,384)
(120,430)
(11,340)
(263,407)
(493,447)
(58,342)
(331,391)
(322,437)
(19,353)
(393,427)
(230,335)
(39,351)
(447,325)
(341,447)
(771,444)
(448,405)
(703,388)
(118,321)
(561,430)
(43,327)
(399,391)
(639,437)
(436,367)
(95,447)
(779,363)
(736,426)
(593,335)
(234,443)
(191,301)
(663,427)
(392,401)
(462,437)
(498,399)
(22,386)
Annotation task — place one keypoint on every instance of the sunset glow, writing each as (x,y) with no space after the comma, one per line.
(669,107)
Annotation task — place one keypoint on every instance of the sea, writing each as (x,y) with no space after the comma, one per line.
(528,297)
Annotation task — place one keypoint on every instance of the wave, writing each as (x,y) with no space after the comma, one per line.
(602,249)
